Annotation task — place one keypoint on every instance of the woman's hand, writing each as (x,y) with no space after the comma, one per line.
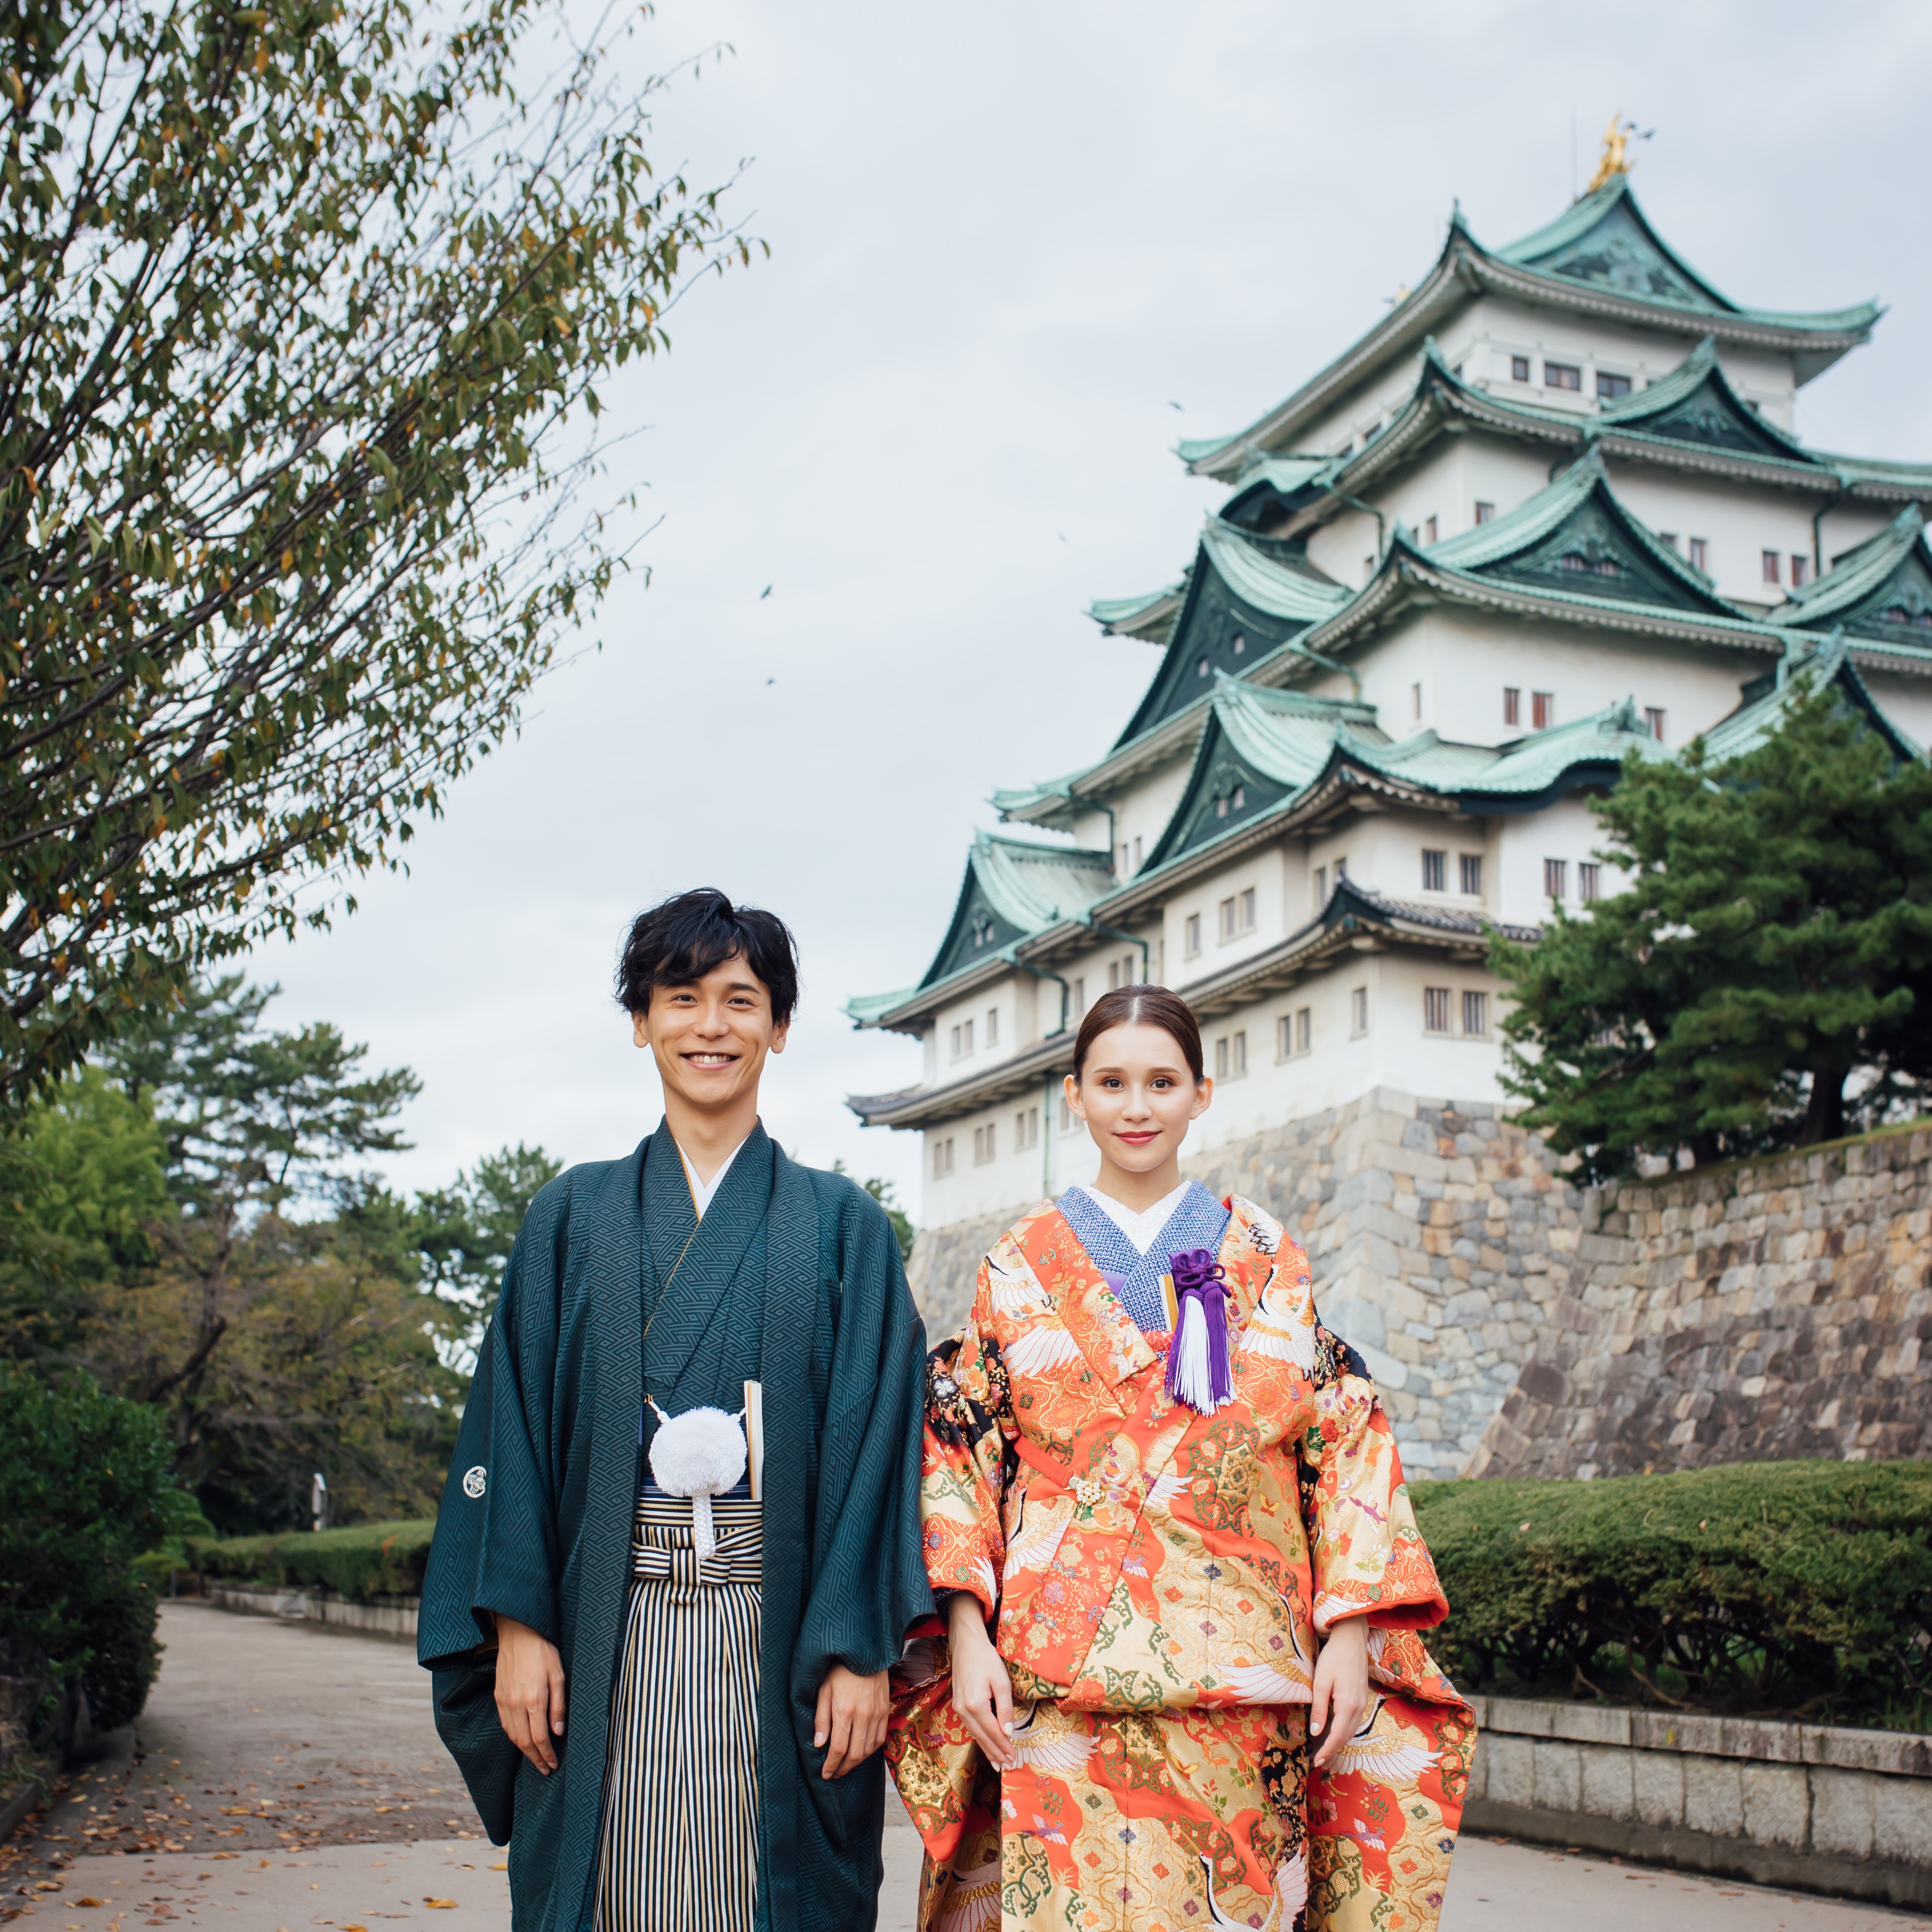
(983,1693)
(1341,1687)
(851,1720)
(530,1691)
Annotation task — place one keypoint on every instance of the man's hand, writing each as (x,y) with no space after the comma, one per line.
(851,1720)
(983,1693)
(1341,1687)
(530,1691)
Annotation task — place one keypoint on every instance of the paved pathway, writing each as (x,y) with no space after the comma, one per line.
(285,1777)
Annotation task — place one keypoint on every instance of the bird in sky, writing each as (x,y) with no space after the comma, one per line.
(1172,404)
(764,593)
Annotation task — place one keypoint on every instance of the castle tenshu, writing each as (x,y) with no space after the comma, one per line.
(1549,512)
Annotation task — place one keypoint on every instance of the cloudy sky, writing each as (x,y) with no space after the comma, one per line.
(1007,241)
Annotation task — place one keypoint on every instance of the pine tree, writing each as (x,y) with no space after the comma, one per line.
(1765,980)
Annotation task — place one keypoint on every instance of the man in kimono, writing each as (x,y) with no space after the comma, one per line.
(672,1689)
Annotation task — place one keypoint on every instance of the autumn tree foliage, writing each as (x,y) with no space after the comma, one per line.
(303,307)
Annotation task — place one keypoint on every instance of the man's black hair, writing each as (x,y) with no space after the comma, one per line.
(683,938)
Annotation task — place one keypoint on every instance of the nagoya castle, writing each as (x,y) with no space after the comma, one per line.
(1549,511)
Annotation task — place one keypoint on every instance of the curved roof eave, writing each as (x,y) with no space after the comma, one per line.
(1464,267)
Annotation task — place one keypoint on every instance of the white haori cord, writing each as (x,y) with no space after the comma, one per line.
(700,1454)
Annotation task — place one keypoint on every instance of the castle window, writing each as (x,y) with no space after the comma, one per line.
(1368,569)
(983,1146)
(1428,530)
(1435,871)
(1801,571)
(1231,1056)
(1321,887)
(1137,852)
(1573,560)
(1240,644)
(1435,1010)
(1512,705)
(1203,667)
(1026,1129)
(1080,995)
(962,1040)
(1237,914)
(1542,709)
(1470,865)
(1589,880)
(1304,1029)
(1607,566)
(1415,701)
(1358,1012)
(1519,368)
(1069,1121)
(1700,554)
(1555,878)
(1668,538)
(1610,388)
(1476,1014)
(1485,512)
(1770,575)
(992,1026)
(942,1158)
(1653,722)
(1191,934)
(1562,376)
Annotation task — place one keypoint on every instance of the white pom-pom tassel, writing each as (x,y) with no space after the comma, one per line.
(700,1454)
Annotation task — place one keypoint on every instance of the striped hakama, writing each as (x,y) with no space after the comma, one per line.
(680,1836)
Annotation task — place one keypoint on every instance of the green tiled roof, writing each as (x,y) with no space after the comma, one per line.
(1143,616)
(1601,255)
(1882,589)
(1576,532)
(1806,663)
(1605,240)
(1264,752)
(1013,889)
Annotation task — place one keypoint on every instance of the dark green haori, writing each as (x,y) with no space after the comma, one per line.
(793,1279)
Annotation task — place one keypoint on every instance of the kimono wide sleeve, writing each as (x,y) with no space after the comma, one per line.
(495,1553)
(969,1458)
(1366,1552)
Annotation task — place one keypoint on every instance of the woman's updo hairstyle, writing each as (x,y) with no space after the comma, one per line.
(1142,1005)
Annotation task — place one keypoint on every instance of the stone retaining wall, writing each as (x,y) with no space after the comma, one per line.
(1760,1309)
(1827,1810)
(396,1617)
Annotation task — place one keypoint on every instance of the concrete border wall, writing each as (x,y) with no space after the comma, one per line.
(1797,1805)
(395,1617)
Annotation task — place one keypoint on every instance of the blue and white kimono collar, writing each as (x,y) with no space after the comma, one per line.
(1140,1280)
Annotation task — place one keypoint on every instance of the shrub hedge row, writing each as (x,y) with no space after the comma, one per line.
(1783,1588)
(1794,1588)
(372,1559)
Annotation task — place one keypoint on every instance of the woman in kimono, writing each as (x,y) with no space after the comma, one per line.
(1178,1683)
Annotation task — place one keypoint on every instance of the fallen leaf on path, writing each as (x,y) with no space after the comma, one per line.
(504,1867)
(90,1901)
(440,1904)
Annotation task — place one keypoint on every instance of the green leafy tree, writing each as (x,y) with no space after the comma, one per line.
(83,1187)
(1765,980)
(464,1232)
(300,306)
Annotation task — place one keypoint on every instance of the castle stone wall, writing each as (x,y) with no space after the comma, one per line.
(1757,1310)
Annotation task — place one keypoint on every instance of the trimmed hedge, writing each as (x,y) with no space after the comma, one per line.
(1791,1588)
(371,1559)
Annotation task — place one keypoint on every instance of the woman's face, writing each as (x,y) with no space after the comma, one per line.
(1136,1096)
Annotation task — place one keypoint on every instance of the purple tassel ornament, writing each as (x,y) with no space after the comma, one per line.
(1199,1372)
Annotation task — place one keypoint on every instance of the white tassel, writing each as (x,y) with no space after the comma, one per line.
(1192,1382)
(700,1454)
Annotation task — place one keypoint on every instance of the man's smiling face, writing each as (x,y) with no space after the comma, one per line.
(709,1037)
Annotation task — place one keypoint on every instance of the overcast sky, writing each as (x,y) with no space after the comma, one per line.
(1005,240)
